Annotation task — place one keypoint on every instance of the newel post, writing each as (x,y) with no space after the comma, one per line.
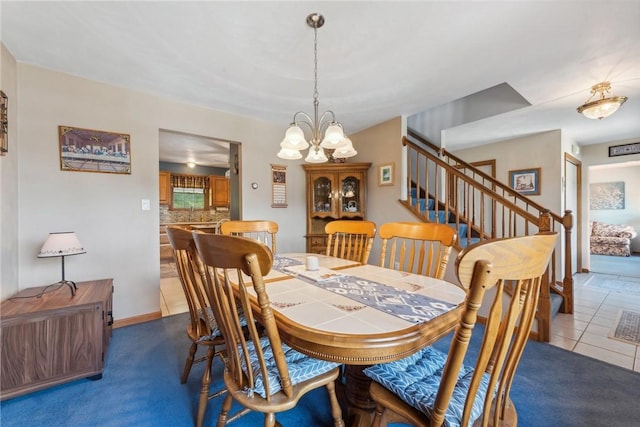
(567,280)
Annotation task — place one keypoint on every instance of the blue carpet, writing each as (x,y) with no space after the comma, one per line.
(141,387)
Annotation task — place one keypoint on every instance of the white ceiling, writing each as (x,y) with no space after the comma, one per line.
(377,60)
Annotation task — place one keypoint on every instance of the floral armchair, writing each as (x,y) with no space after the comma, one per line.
(611,239)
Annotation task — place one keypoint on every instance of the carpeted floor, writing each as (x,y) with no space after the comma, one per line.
(616,265)
(141,387)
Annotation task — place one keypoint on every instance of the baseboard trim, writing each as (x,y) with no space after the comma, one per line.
(137,319)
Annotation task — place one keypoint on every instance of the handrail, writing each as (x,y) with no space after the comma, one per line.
(464,195)
(422,139)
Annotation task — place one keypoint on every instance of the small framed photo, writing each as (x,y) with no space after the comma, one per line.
(623,150)
(88,150)
(526,181)
(385,174)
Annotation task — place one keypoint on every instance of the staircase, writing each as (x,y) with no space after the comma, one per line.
(445,189)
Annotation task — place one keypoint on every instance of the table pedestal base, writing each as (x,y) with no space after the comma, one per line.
(360,406)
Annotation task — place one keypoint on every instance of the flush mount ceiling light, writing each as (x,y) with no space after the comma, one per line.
(601,107)
(334,138)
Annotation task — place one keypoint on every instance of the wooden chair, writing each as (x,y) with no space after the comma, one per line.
(431,388)
(260,230)
(262,373)
(202,328)
(417,247)
(350,240)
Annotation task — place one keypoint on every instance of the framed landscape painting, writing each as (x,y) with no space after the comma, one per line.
(525,181)
(385,174)
(89,150)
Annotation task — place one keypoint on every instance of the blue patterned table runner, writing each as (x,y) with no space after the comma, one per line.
(411,307)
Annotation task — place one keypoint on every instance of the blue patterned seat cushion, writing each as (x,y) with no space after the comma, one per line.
(301,367)
(415,379)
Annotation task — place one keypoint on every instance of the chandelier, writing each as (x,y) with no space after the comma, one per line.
(339,146)
(601,107)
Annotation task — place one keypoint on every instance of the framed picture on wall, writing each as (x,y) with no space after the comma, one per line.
(89,150)
(525,181)
(385,174)
(4,124)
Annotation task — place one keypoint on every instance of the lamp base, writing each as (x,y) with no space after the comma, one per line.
(72,286)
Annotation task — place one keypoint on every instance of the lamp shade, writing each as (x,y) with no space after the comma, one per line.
(61,244)
(316,155)
(294,139)
(346,151)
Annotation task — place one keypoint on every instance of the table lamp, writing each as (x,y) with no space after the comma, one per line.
(62,244)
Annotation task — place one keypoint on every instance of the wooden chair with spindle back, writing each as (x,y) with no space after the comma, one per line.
(262,373)
(417,247)
(202,328)
(350,240)
(431,388)
(263,231)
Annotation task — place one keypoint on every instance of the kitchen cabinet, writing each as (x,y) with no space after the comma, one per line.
(334,191)
(164,186)
(219,186)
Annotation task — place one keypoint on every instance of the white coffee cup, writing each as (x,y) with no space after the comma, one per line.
(312,263)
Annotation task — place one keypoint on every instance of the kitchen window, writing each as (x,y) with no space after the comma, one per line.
(189,192)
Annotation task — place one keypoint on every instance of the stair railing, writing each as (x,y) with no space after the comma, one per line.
(463,195)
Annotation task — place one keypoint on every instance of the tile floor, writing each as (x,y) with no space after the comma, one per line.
(585,332)
(595,312)
(172,300)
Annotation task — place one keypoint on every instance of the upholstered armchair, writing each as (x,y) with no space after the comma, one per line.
(611,239)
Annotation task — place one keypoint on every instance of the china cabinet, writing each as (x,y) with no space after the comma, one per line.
(334,191)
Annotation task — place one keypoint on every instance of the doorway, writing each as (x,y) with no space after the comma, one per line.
(213,159)
(573,202)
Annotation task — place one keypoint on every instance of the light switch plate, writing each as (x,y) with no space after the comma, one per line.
(146,205)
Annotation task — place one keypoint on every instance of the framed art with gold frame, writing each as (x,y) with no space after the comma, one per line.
(385,174)
(89,150)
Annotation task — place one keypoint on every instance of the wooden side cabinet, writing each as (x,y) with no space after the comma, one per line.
(54,338)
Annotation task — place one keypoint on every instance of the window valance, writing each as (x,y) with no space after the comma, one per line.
(189,181)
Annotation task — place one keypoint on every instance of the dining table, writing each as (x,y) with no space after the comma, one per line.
(358,315)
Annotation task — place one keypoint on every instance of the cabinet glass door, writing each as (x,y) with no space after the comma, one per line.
(350,195)
(322,195)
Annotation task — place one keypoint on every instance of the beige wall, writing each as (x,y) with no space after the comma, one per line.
(9,241)
(379,145)
(104,210)
(542,150)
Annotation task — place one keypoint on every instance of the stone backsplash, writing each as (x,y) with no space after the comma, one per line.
(171,216)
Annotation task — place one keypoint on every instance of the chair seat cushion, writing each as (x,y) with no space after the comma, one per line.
(215,331)
(301,367)
(415,379)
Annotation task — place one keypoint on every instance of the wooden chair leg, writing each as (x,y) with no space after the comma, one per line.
(336,411)
(224,412)
(204,390)
(189,362)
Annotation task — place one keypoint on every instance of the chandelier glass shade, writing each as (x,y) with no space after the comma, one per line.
(334,138)
(602,106)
